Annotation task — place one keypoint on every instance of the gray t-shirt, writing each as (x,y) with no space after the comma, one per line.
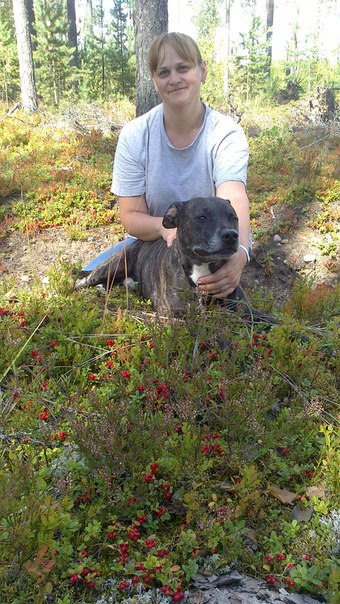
(146,163)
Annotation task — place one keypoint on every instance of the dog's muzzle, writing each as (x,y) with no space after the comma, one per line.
(221,247)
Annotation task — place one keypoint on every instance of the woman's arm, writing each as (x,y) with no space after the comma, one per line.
(225,280)
(137,222)
(236,192)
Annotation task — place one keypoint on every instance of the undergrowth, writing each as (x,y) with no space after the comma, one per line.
(137,452)
(134,451)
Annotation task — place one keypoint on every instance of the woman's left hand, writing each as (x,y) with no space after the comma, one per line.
(226,279)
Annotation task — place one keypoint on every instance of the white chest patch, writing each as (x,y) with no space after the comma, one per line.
(199,270)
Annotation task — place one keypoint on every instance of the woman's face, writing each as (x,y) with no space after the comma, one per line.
(177,81)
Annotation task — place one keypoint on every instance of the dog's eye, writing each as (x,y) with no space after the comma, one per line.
(201,218)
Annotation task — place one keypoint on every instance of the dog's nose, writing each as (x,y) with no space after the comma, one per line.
(230,235)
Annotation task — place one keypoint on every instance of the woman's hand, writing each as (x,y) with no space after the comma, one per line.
(226,279)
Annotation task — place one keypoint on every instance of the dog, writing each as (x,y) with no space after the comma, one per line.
(207,236)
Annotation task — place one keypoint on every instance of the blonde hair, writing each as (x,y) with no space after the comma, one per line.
(184,45)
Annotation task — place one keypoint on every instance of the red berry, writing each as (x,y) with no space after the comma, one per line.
(165,590)
(140,566)
(74,577)
(149,477)
(284,450)
(135,579)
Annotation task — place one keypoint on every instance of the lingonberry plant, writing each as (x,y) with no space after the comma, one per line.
(136,452)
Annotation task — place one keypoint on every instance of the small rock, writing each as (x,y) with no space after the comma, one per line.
(277,238)
(240,589)
(309,258)
(25,278)
(45,280)
(302,515)
(284,241)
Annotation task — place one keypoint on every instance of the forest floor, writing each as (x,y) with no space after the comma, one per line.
(278,257)
(27,259)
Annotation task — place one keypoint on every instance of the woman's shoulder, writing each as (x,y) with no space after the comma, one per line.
(218,121)
(142,123)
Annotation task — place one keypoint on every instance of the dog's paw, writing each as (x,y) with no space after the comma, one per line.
(80,283)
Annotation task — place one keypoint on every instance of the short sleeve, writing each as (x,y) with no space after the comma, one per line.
(231,155)
(128,178)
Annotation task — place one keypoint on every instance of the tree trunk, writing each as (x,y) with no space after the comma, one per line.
(26,67)
(269,33)
(31,21)
(72,31)
(228,34)
(151,20)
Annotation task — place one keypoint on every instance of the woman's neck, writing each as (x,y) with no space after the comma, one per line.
(182,126)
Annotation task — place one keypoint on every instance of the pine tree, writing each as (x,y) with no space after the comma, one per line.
(9,66)
(55,75)
(24,48)
(151,20)
(251,61)
(208,21)
(120,47)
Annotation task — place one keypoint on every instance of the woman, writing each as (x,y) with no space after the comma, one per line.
(179,150)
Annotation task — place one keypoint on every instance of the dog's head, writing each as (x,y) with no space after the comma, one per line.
(207,227)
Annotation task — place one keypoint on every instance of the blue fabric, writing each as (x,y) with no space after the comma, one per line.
(108,253)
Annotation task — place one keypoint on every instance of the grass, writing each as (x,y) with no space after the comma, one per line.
(136,452)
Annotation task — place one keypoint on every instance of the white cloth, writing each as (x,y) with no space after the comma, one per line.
(146,163)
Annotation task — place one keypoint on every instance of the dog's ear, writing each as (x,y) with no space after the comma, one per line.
(170,219)
(225,200)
